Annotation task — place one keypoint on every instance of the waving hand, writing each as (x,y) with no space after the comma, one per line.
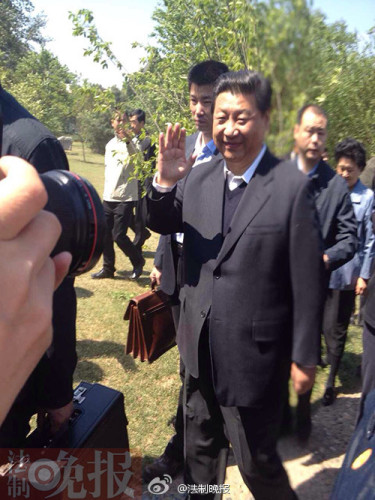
(172,164)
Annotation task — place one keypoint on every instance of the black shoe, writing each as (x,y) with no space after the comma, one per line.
(102,274)
(137,271)
(328,396)
(162,465)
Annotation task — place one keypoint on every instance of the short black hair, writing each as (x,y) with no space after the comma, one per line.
(352,149)
(317,109)
(206,72)
(140,114)
(246,82)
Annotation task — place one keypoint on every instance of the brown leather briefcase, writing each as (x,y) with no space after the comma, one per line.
(151,327)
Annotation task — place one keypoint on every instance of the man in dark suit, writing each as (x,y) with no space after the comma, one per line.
(251,244)
(137,120)
(167,271)
(336,215)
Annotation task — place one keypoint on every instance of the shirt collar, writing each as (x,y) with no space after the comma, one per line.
(248,174)
(312,171)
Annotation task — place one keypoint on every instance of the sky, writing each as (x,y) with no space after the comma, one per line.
(123,22)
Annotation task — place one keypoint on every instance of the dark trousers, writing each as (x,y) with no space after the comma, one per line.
(138,221)
(175,447)
(118,216)
(15,427)
(337,311)
(252,433)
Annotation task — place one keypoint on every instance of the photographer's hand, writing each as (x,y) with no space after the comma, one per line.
(28,275)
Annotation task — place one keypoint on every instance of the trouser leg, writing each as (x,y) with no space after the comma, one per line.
(141,233)
(205,442)
(15,426)
(338,309)
(253,436)
(108,250)
(175,447)
(122,217)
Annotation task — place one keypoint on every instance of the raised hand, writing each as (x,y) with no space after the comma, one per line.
(172,164)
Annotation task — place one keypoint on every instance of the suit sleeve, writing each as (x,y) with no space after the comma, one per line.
(346,232)
(368,236)
(307,277)
(55,370)
(164,210)
(158,260)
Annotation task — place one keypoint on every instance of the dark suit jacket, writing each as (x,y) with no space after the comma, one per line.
(336,215)
(164,257)
(261,286)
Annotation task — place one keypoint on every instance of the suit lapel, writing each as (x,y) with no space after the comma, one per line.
(253,199)
(215,194)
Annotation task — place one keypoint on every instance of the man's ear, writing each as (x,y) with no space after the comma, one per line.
(296,130)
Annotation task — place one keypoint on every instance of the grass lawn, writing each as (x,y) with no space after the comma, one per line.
(150,390)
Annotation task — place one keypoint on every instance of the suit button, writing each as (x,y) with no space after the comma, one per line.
(203,314)
(217,276)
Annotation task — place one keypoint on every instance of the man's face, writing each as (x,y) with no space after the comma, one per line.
(239,129)
(310,135)
(200,106)
(136,125)
(349,170)
(118,126)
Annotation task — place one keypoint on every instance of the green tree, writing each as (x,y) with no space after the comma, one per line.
(43,86)
(306,58)
(18,28)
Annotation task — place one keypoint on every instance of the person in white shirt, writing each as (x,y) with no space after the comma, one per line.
(119,199)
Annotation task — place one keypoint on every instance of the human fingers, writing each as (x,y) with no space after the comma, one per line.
(182,139)
(176,136)
(161,143)
(38,239)
(169,137)
(22,195)
(62,262)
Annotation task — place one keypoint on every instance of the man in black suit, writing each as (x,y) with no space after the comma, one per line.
(336,215)
(137,120)
(251,245)
(167,271)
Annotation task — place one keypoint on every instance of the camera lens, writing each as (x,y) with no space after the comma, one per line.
(77,205)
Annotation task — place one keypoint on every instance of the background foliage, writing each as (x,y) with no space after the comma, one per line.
(306,58)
